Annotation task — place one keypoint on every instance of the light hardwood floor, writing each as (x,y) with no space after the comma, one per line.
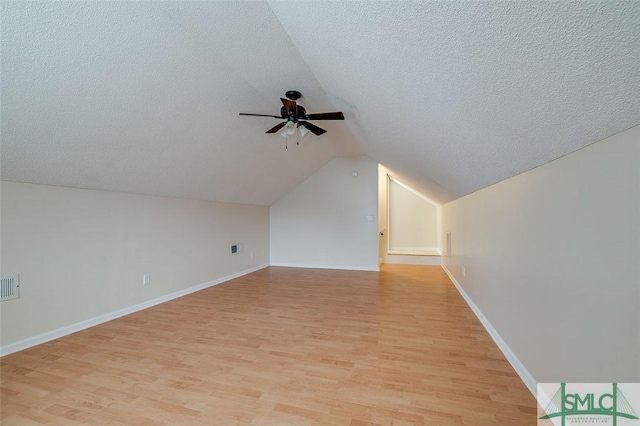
(277,347)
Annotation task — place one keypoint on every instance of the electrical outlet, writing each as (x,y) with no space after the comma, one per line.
(146,279)
(237,248)
(464,271)
(252,254)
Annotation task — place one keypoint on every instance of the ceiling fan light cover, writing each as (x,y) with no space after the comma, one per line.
(303,131)
(289,130)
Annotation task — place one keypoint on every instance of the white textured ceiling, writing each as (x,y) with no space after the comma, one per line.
(144,97)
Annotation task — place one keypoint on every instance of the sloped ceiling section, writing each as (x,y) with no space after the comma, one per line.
(456,96)
(144,97)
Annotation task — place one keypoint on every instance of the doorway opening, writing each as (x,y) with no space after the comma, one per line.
(408,223)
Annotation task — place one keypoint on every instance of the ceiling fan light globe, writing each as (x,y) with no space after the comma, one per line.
(303,131)
(289,130)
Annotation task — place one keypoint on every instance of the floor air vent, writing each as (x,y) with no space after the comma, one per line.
(9,287)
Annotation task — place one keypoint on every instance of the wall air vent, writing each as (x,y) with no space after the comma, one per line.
(9,287)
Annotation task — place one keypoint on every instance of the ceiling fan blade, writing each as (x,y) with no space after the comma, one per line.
(260,115)
(326,116)
(289,106)
(276,128)
(312,128)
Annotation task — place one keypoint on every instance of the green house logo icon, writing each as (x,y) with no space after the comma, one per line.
(565,404)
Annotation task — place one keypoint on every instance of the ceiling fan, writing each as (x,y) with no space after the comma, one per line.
(296,117)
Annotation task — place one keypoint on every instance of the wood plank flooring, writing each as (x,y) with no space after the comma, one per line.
(281,346)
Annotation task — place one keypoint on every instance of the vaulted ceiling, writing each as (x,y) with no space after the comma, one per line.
(144,97)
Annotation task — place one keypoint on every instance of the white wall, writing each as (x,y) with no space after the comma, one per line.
(323,222)
(552,261)
(413,221)
(82,253)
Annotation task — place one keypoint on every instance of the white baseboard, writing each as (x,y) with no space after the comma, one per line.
(414,251)
(517,365)
(399,259)
(63,331)
(323,266)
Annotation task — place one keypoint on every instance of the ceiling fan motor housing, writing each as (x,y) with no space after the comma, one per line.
(302,113)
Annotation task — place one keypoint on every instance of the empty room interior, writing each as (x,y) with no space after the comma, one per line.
(310,213)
